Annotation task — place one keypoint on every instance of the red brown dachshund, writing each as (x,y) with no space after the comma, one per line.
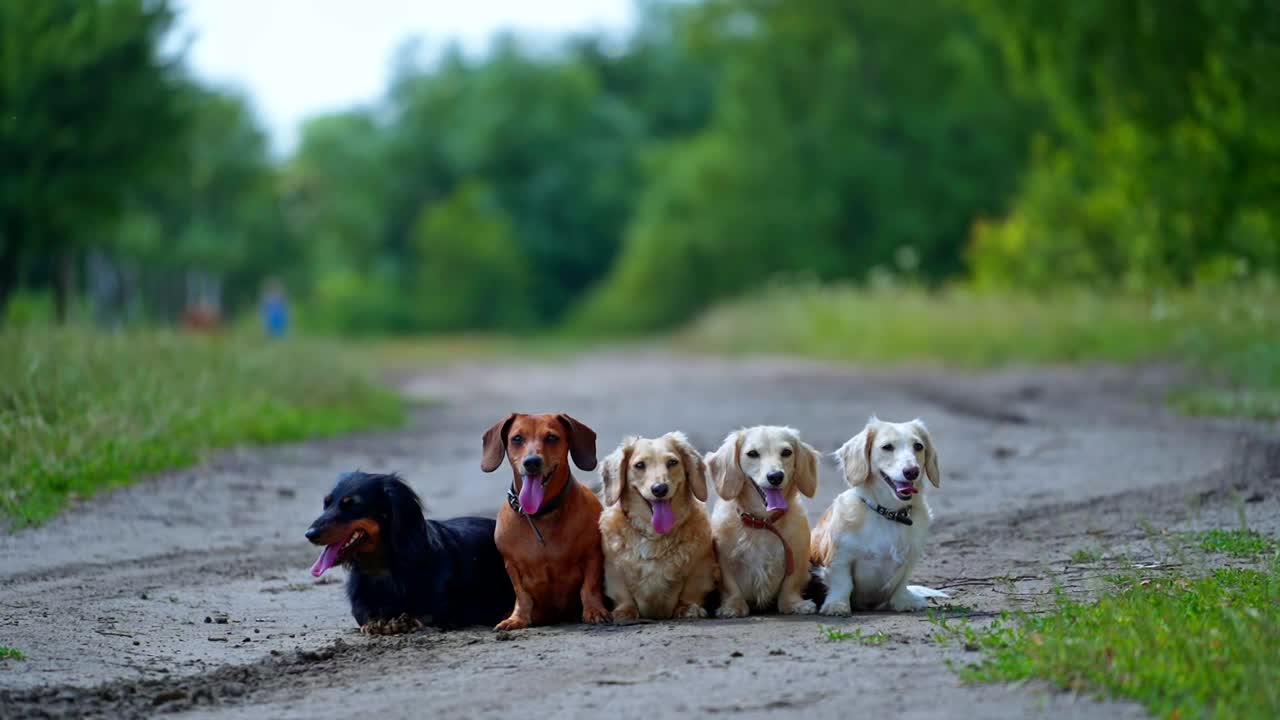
(549,530)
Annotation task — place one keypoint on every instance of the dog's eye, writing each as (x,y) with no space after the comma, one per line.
(753,454)
(552,439)
(786,452)
(919,447)
(639,465)
(345,502)
(517,440)
(887,447)
(672,462)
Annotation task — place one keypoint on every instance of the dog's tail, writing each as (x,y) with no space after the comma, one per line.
(927,592)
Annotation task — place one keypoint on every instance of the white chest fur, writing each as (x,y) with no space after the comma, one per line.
(881,554)
(759,564)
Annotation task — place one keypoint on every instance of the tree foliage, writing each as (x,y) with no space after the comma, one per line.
(1159,161)
(846,136)
(619,183)
(89,110)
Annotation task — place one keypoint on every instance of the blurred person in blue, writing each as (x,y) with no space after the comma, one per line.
(275,309)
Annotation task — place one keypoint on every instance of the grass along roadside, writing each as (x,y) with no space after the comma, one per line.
(1236,543)
(1182,646)
(1232,333)
(835,634)
(8,653)
(81,411)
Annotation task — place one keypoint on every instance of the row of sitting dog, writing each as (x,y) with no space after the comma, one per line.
(557,553)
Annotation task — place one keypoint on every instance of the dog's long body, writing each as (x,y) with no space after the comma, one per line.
(403,569)
(659,558)
(761,528)
(548,531)
(866,545)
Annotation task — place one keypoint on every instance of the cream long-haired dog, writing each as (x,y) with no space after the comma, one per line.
(761,530)
(867,543)
(658,555)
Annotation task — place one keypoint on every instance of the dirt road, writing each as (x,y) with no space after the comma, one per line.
(190,593)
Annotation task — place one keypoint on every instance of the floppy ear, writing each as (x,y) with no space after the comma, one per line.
(495,444)
(855,456)
(613,471)
(582,442)
(407,514)
(930,454)
(806,468)
(695,468)
(726,473)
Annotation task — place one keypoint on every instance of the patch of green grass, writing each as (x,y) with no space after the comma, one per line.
(81,411)
(834,634)
(1084,556)
(1237,543)
(1234,334)
(1182,648)
(8,653)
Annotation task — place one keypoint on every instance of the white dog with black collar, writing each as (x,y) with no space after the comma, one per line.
(867,543)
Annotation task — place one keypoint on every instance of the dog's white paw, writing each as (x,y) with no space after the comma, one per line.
(693,610)
(804,607)
(840,608)
(735,608)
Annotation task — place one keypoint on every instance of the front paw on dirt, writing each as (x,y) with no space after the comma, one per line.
(595,616)
(838,609)
(626,614)
(804,607)
(732,609)
(392,626)
(692,610)
(512,623)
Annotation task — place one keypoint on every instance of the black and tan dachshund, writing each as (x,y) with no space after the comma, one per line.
(405,571)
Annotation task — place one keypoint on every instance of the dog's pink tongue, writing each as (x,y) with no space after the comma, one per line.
(774,499)
(328,558)
(905,488)
(531,492)
(663,518)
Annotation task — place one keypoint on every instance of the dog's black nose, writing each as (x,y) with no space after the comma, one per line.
(532,464)
(312,532)
(776,477)
(911,473)
(659,490)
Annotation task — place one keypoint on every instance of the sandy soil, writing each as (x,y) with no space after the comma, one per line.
(189,593)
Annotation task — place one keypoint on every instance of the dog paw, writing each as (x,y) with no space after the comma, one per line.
(692,610)
(401,625)
(840,609)
(804,607)
(733,609)
(512,623)
(595,616)
(627,613)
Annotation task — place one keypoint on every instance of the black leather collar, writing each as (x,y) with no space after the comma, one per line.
(513,499)
(902,515)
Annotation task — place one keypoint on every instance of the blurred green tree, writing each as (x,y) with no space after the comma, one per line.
(1158,165)
(471,273)
(220,212)
(845,136)
(89,110)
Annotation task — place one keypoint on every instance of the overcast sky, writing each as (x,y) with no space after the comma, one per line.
(297,58)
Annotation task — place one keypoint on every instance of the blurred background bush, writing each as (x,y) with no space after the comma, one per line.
(603,184)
